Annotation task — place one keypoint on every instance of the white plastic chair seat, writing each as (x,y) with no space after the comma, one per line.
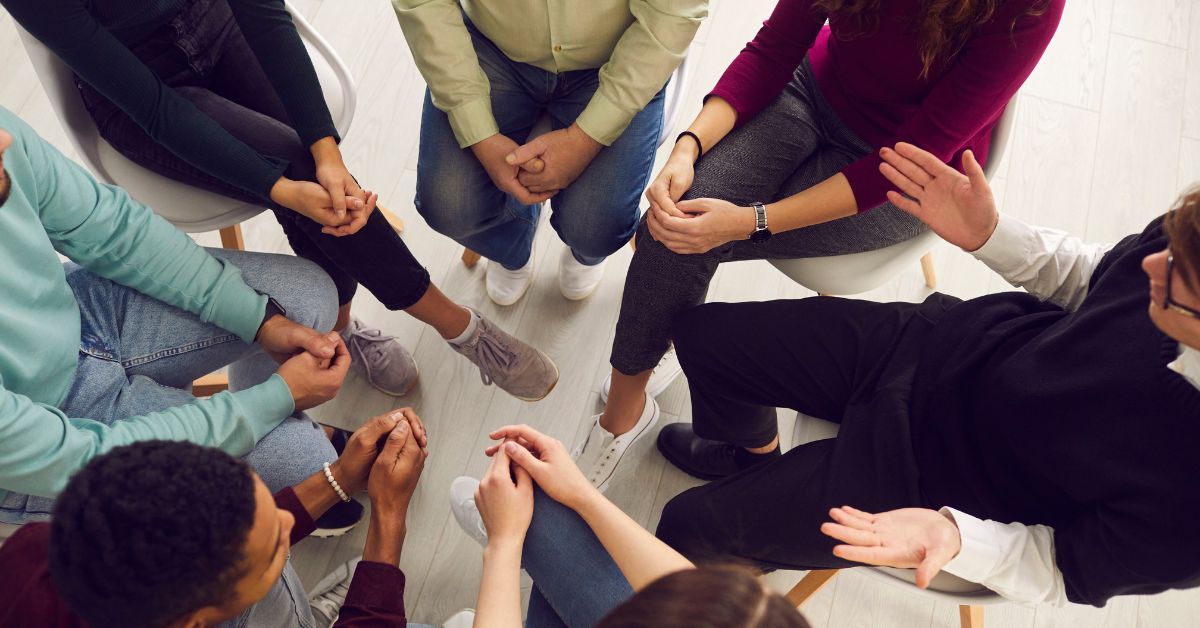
(188,208)
(855,273)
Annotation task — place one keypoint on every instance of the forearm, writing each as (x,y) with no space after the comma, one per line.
(828,200)
(715,120)
(316,494)
(385,536)
(499,604)
(641,556)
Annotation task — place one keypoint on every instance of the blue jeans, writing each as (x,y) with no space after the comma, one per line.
(575,581)
(595,216)
(138,355)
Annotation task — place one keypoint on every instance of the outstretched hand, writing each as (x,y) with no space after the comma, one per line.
(908,538)
(957,207)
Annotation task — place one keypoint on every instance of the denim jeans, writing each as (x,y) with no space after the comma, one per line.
(202,55)
(575,581)
(595,216)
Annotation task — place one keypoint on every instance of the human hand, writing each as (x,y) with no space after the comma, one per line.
(906,538)
(313,380)
(354,465)
(672,182)
(547,461)
(957,207)
(311,200)
(505,500)
(563,155)
(493,154)
(700,224)
(394,475)
(282,338)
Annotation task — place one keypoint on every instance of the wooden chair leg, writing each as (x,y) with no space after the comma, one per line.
(470,258)
(970,616)
(210,385)
(395,221)
(808,586)
(927,268)
(231,238)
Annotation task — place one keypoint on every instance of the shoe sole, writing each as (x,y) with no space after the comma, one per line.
(708,477)
(548,391)
(411,386)
(328,533)
(578,296)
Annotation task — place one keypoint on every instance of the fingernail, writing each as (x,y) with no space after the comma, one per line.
(396,415)
(510,447)
(510,159)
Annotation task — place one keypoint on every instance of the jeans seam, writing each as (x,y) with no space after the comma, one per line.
(174,351)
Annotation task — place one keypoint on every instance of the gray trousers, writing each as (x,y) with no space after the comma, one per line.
(793,144)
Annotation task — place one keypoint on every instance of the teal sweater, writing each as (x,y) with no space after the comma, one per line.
(55,205)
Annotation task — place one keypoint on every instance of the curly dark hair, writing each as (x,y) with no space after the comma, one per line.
(150,532)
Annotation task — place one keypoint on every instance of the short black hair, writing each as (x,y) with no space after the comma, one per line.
(150,532)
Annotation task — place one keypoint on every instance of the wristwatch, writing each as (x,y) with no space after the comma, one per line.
(273,309)
(761,232)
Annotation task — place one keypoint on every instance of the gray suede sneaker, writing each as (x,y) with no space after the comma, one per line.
(517,368)
(386,364)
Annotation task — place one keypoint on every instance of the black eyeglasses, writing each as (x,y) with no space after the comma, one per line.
(1168,302)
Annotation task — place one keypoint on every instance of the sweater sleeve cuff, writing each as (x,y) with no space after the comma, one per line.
(236,306)
(980,551)
(377,590)
(732,97)
(473,121)
(866,182)
(1009,247)
(603,120)
(304,525)
(266,404)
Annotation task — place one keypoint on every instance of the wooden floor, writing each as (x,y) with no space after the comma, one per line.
(1108,133)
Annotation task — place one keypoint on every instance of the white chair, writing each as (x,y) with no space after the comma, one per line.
(189,208)
(969,596)
(672,108)
(859,272)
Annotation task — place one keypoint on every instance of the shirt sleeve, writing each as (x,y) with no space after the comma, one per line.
(101,60)
(766,64)
(640,64)
(1052,265)
(43,447)
(375,598)
(986,75)
(304,524)
(444,54)
(272,35)
(1014,560)
(102,229)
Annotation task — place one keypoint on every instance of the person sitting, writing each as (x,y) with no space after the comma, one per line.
(494,67)
(781,161)
(591,564)
(101,352)
(163,533)
(222,95)
(1040,443)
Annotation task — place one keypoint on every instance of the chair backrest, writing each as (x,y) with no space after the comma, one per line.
(1001,134)
(188,208)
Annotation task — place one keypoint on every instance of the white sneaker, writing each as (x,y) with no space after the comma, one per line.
(660,378)
(505,286)
(462,619)
(578,281)
(327,597)
(601,452)
(462,504)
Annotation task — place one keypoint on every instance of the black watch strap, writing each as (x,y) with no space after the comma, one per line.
(273,308)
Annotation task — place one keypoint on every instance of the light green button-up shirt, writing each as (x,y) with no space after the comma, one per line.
(635,43)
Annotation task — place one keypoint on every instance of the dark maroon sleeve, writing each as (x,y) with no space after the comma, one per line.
(375,599)
(767,63)
(969,98)
(287,500)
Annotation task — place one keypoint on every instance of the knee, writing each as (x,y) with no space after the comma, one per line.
(596,234)
(677,527)
(307,293)
(450,199)
(692,330)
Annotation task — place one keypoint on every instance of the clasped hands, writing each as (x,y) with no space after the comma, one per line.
(336,201)
(313,364)
(537,170)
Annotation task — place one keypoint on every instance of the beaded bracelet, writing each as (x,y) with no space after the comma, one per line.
(336,487)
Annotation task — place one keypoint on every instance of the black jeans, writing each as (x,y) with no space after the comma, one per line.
(203,56)
(842,360)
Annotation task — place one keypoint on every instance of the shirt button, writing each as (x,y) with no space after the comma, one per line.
(557,47)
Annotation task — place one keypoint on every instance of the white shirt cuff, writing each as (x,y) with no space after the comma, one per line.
(980,552)
(1010,246)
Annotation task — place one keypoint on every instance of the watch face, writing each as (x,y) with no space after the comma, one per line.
(759,236)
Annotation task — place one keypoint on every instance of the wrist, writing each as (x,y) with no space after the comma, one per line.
(385,540)
(281,190)
(584,138)
(503,545)
(687,147)
(326,151)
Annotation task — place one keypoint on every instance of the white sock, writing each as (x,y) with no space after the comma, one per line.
(468,333)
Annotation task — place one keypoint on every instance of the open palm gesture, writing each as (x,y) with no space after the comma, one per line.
(957,207)
(908,538)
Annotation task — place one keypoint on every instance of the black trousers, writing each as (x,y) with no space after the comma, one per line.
(846,361)
(220,75)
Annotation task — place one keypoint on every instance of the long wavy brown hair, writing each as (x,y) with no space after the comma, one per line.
(943,26)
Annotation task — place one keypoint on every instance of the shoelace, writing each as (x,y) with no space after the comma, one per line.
(494,357)
(370,343)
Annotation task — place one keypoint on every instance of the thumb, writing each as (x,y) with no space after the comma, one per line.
(376,428)
(314,342)
(396,440)
(933,563)
(338,197)
(974,171)
(534,166)
(524,459)
(526,152)
(693,206)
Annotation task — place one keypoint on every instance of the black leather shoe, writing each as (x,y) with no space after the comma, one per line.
(703,458)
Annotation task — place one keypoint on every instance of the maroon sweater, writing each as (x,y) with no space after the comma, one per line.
(28,596)
(873,80)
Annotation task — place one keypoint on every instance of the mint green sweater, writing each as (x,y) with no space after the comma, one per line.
(55,205)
